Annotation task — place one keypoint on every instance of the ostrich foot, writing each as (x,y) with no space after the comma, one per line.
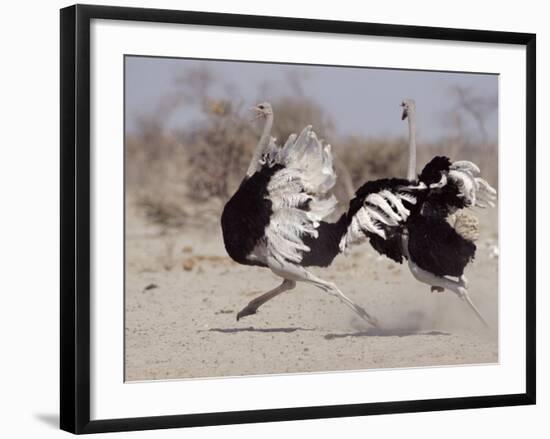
(246,311)
(370,319)
(254,304)
(463,294)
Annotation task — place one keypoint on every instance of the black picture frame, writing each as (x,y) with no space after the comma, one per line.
(75,217)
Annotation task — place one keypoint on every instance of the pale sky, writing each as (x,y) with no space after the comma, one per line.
(363,101)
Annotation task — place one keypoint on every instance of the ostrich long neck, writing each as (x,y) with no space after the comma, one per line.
(260,148)
(411,172)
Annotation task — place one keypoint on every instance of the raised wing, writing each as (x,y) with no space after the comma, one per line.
(299,193)
(460,179)
(380,209)
(475,190)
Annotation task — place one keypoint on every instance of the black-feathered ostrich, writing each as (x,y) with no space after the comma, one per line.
(425,225)
(275,219)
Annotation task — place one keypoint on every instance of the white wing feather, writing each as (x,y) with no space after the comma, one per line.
(475,190)
(379,213)
(306,179)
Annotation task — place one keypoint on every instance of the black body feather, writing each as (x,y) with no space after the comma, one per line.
(391,246)
(246,215)
(439,202)
(433,170)
(325,247)
(434,245)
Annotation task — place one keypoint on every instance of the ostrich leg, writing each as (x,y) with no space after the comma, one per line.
(459,288)
(297,273)
(254,304)
(332,289)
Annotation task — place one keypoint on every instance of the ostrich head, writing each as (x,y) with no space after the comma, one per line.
(408,107)
(263,110)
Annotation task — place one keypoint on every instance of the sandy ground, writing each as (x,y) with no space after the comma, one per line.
(183,293)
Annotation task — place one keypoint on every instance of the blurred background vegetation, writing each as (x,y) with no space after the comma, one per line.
(182,175)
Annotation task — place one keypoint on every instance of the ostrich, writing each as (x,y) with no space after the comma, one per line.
(411,218)
(439,238)
(275,218)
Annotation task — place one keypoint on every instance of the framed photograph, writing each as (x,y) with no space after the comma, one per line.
(274,218)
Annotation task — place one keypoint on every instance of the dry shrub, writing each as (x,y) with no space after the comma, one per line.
(155,170)
(294,113)
(218,153)
(484,155)
(369,159)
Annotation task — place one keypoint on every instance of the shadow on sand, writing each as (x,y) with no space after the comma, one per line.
(252,329)
(383,332)
(371,332)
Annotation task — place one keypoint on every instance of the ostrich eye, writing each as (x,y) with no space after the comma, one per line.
(261,107)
